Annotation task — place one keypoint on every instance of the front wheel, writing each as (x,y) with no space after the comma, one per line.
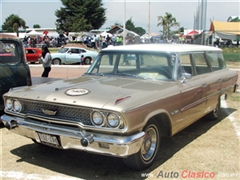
(145,156)
(56,61)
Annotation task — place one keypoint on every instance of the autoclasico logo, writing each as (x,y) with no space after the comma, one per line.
(186,174)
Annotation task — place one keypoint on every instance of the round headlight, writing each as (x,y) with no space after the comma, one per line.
(97,118)
(17,107)
(9,104)
(113,120)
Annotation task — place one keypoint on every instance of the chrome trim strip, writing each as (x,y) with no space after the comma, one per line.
(193,104)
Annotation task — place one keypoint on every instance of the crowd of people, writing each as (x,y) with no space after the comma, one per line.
(101,42)
(39,41)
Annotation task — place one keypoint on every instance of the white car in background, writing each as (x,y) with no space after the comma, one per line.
(70,55)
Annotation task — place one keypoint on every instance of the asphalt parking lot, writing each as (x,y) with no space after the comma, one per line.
(207,149)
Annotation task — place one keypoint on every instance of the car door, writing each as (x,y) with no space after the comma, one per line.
(31,55)
(219,81)
(73,56)
(193,91)
(213,79)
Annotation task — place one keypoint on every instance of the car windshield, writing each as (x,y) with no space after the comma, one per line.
(146,65)
(8,52)
(63,50)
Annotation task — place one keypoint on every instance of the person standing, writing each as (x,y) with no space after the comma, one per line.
(82,60)
(46,60)
(114,40)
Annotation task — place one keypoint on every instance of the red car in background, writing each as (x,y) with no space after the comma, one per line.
(33,54)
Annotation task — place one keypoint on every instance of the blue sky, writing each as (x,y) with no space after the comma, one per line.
(42,12)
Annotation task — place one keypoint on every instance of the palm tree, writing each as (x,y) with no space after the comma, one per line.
(167,22)
(162,23)
(13,23)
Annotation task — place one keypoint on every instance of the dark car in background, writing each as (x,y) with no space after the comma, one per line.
(14,70)
(33,54)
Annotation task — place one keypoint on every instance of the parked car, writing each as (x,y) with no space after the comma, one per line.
(33,54)
(70,55)
(14,70)
(127,100)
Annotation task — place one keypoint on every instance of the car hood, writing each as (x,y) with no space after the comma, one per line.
(97,92)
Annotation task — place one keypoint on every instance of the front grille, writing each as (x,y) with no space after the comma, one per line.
(63,112)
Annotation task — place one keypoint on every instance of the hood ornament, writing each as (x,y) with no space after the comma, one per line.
(49,112)
(77,92)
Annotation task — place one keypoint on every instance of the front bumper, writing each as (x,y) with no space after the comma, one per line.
(70,138)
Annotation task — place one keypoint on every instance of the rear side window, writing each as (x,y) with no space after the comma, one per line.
(8,52)
(75,51)
(216,60)
(201,63)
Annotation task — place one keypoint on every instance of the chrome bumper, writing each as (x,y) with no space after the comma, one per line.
(113,145)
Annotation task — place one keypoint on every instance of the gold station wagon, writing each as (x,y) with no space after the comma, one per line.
(127,100)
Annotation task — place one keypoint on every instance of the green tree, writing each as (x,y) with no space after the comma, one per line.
(131,27)
(167,22)
(13,23)
(140,31)
(162,22)
(181,29)
(237,19)
(36,26)
(80,15)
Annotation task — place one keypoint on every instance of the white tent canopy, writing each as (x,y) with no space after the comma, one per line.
(224,35)
(105,33)
(33,33)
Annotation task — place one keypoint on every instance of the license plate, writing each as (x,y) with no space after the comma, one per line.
(49,139)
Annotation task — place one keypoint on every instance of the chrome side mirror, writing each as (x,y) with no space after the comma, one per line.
(185,76)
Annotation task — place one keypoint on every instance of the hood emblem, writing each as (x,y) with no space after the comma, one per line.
(49,112)
(77,92)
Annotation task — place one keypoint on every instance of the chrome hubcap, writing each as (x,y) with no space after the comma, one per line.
(149,144)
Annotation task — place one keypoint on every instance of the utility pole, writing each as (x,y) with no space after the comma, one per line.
(149,19)
(124,23)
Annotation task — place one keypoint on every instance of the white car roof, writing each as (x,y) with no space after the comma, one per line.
(73,47)
(164,48)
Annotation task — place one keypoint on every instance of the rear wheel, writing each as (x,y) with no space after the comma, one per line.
(56,61)
(213,115)
(147,153)
(87,61)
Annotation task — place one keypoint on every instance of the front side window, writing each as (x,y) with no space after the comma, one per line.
(63,50)
(216,60)
(8,52)
(30,51)
(146,65)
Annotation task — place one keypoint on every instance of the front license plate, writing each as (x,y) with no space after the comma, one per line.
(49,139)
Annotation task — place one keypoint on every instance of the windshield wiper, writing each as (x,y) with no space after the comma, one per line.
(128,75)
(95,74)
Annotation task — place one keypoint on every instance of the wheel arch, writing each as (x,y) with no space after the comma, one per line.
(60,61)
(164,123)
